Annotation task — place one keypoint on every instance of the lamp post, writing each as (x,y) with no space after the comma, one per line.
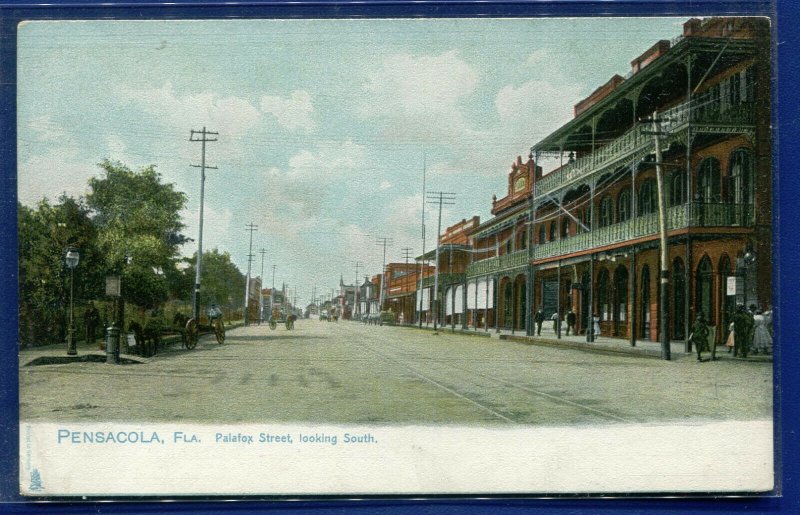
(71,259)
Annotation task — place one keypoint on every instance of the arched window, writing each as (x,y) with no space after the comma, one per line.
(705,293)
(553,229)
(624,205)
(523,242)
(647,197)
(620,294)
(541,234)
(603,304)
(708,181)
(740,189)
(606,211)
(564,227)
(677,188)
(509,246)
(679,296)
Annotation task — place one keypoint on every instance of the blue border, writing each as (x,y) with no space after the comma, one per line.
(786,258)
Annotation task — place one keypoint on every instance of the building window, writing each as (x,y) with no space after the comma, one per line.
(624,205)
(621,293)
(553,229)
(541,234)
(564,227)
(647,197)
(741,177)
(509,246)
(705,290)
(606,212)
(677,188)
(523,242)
(602,295)
(708,181)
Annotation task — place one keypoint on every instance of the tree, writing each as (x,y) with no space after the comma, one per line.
(220,280)
(139,228)
(45,233)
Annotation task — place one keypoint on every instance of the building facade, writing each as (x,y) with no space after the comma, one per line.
(698,108)
(443,302)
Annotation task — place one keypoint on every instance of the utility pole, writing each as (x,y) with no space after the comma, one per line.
(356,308)
(251,228)
(383,242)
(406,255)
(663,285)
(422,261)
(260,293)
(203,138)
(441,198)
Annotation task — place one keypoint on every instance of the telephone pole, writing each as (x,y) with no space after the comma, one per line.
(422,261)
(442,199)
(251,228)
(273,275)
(356,310)
(663,283)
(406,255)
(260,293)
(383,242)
(203,138)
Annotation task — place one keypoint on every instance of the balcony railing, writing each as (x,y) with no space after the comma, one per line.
(706,109)
(696,214)
(444,280)
(498,263)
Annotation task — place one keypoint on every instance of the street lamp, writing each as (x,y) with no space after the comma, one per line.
(71,258)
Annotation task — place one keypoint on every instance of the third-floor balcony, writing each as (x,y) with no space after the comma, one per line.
(684,216)
(707,111)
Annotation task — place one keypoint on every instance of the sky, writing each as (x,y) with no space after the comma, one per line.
(326,127)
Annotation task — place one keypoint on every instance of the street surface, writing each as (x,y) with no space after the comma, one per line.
(349,373)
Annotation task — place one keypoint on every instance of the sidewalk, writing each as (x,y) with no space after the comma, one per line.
(602,344)
(56,353)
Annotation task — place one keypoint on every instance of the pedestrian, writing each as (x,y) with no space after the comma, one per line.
(699,336)
(762,340)
(554,318)
(91,318)
(595,325)
(743,327)
(571,318)
(729,343)
(539,319)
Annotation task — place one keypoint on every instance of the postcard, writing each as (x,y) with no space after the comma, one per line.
(315,257)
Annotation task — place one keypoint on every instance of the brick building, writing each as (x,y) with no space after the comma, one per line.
(595,217)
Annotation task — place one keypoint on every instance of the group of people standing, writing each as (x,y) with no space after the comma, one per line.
(750,332)
(570,319)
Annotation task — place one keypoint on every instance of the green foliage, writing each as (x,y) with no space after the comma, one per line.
(220,280)
(139,223)
(45,233)
(138,215)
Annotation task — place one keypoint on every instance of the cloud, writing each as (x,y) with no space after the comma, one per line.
(216,228)
(330,161)
(50,174)
(293,113)
(230,116)
(536,108)
(419,97)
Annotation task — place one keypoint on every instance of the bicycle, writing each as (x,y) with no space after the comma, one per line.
(272,324)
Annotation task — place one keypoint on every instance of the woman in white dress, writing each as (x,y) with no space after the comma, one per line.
(762,341)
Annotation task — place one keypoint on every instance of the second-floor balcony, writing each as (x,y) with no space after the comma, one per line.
(695,214)
(445,279)
(498,263)
(708,109)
